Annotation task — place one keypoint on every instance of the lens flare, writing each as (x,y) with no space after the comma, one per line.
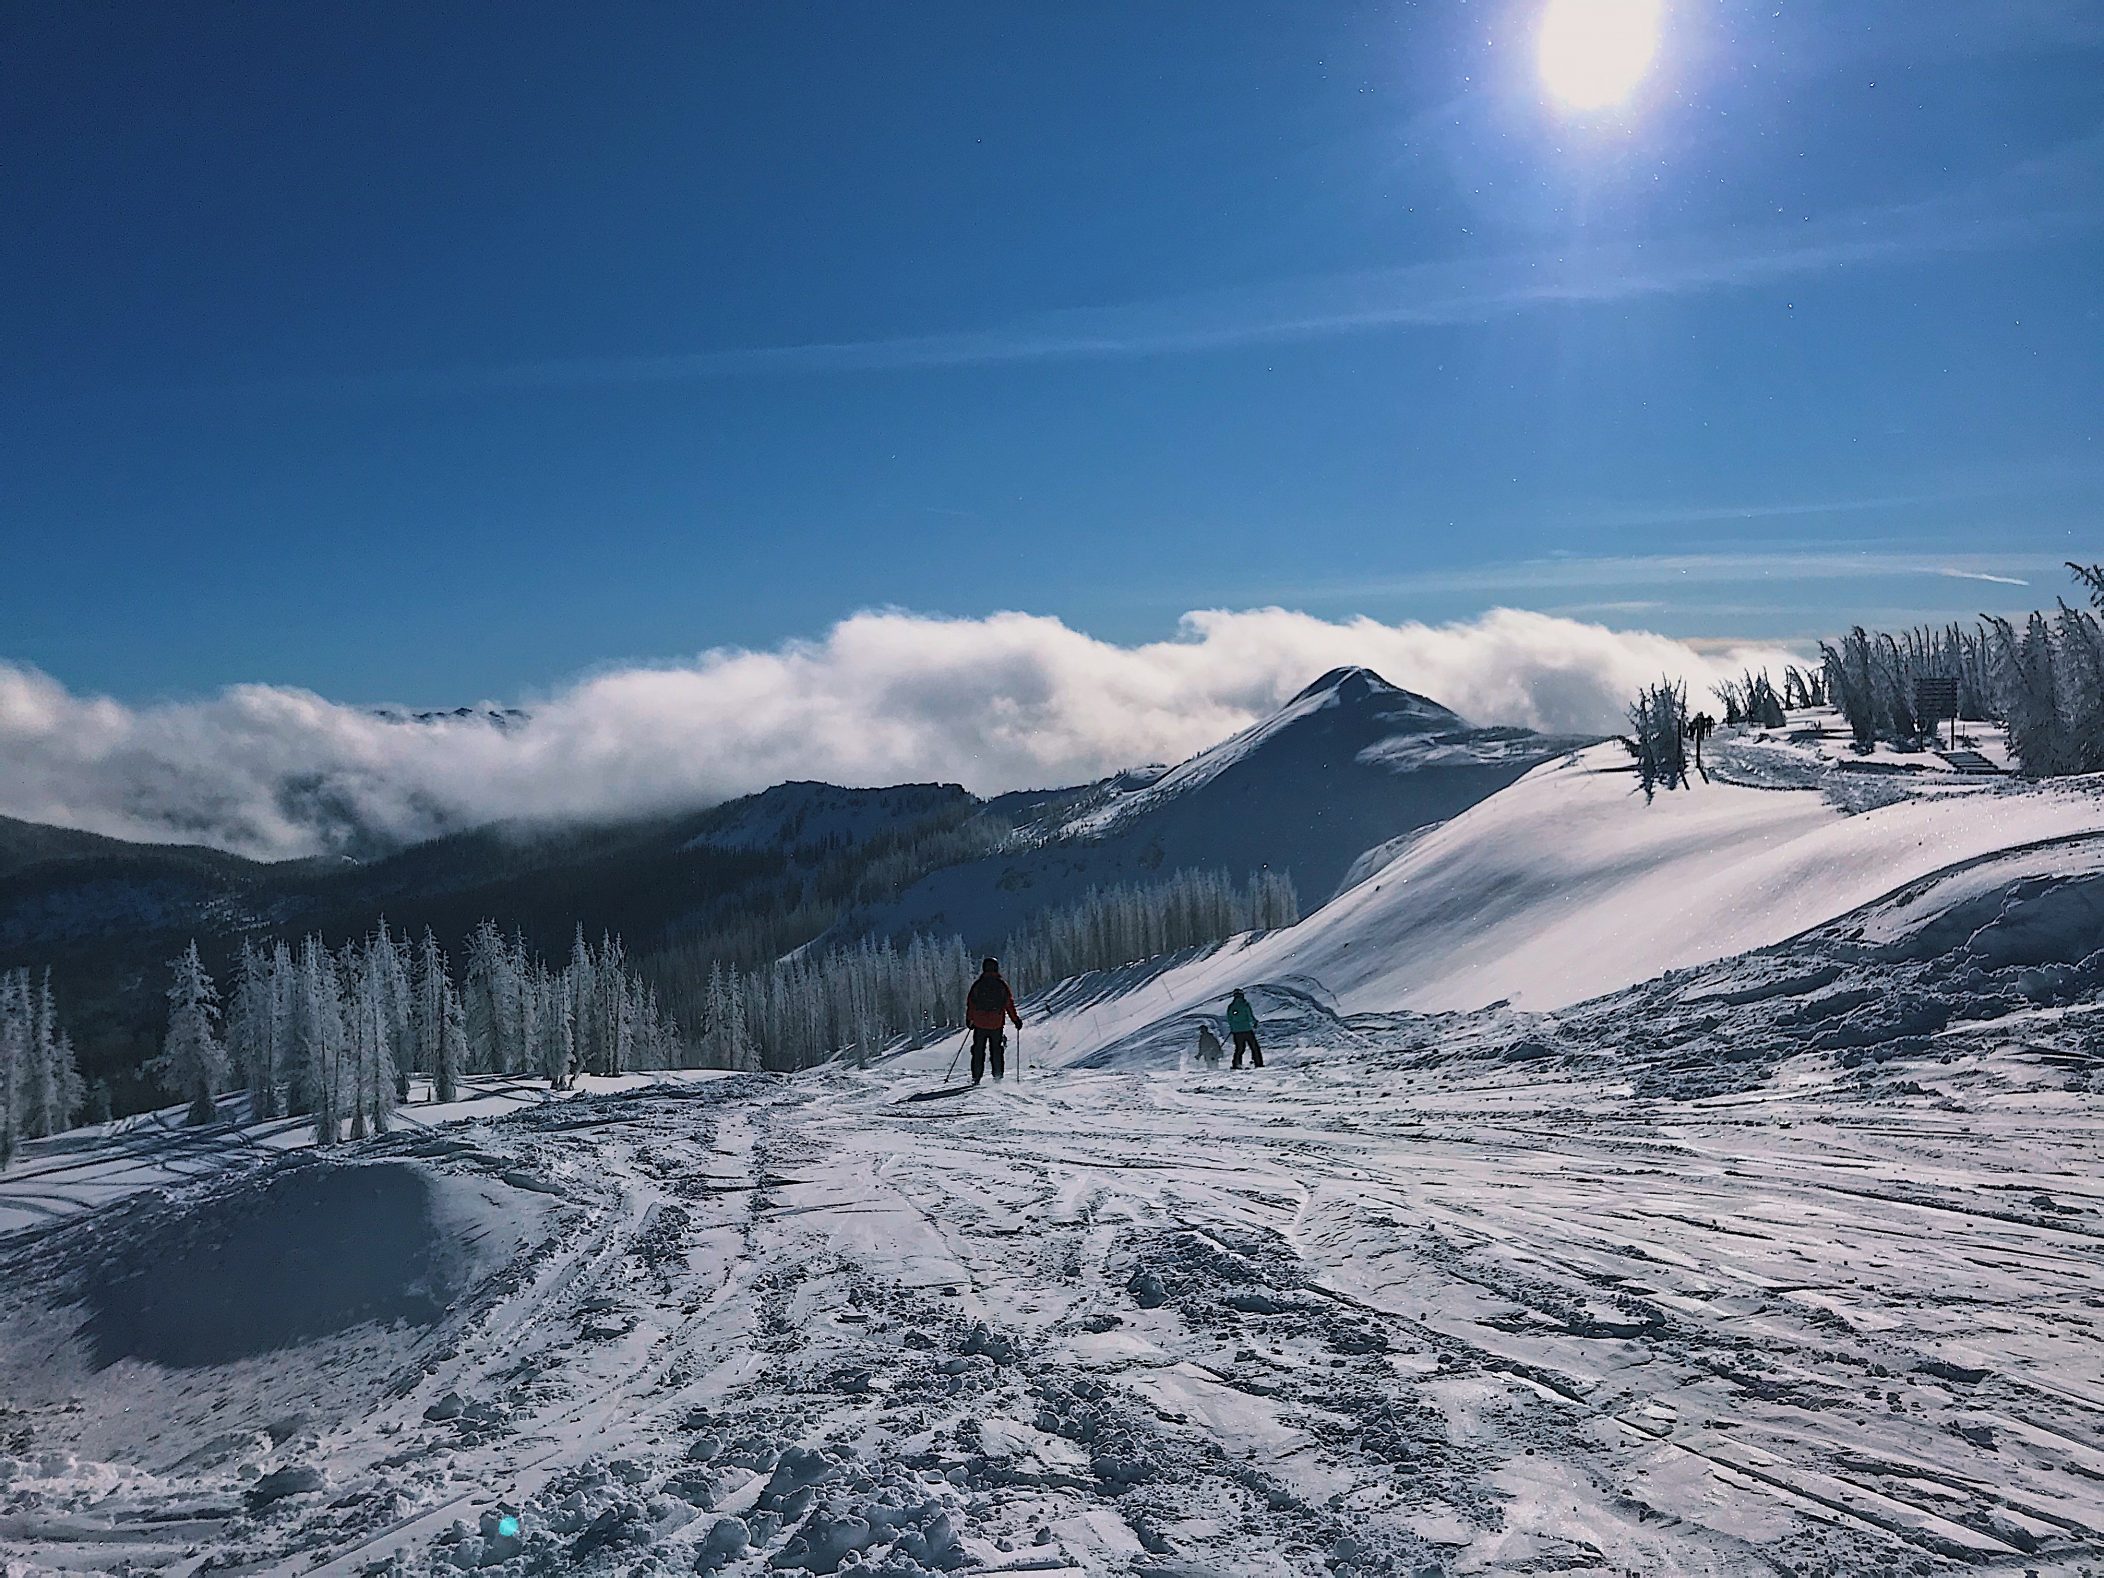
(1593,53)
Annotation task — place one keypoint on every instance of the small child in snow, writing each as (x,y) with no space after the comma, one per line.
(1209,1048)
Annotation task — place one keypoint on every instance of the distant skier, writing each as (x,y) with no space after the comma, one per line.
(1699,728)
(988,1006)
(1242,1025)
(1209,1048)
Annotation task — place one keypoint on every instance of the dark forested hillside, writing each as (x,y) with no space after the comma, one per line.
(750,879)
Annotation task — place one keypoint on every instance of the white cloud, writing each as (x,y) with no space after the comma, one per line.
(1956,574)
(1008,701)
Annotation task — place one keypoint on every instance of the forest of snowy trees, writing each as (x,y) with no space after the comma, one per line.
(808,1008)
(1116,925)
(336,1034)
(40,1088)
(2044,680)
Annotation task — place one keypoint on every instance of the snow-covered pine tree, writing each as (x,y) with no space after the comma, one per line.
(452,1041)
(288,1071)
(479,995)
(581,990)
(14,1038)
(248,1024)
(616,999)
(738,1047)
(1853,690)
(715,1026)
(65,1078)
(516,988)
(321,1032)
(558,1033)
(360,1011)
(1763,707)
(398,1000)
(430,989)
(2025,681)
(43,1113)
(2079,682)
(192,1063)
(388,985)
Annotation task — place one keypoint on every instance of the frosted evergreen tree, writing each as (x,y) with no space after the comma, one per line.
(14,1039)
(434,993)
(44,1112)
(486,963)
(192,1061)
(65,1079)
(716,1019)
(452,1042)
(582,983)
(616,996)
(738,1049)
(2029,691)
(250,1019)
(2079,687)
(289,1078)
(558,1034)
(321,1035)
(382,992)
(398,1007)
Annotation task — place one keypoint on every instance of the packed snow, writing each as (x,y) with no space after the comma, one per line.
(1717,1193)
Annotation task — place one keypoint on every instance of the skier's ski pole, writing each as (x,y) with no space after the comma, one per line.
(950,1072)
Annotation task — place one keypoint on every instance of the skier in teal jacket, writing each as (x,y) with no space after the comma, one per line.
(1242,1025)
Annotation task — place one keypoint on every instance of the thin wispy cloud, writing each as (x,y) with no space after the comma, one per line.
(2031,201)
(1571,572)
(1980,575)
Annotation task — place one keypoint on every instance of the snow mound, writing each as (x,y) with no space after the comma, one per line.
(285,1256)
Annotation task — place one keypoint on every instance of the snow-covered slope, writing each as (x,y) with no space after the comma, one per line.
(1350,763)
(1567,885)
(1748,1272)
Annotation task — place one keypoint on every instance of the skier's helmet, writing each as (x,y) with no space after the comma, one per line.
(989,966)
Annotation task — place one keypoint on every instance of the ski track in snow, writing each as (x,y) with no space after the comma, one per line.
(1388,1312)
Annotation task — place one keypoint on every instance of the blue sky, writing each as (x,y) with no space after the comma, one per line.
(431,352)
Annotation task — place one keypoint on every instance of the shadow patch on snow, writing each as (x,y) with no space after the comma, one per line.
(289,1255)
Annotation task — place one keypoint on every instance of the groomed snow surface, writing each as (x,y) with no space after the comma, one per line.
(1771,1261)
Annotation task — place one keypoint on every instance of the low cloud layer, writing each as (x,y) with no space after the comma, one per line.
(1010,701)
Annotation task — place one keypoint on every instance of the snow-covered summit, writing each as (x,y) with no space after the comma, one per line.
(1355,683)
(1350,715)
(1349,763)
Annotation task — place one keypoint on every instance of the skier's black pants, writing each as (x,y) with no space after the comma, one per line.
(1246,1041)
(983,1041)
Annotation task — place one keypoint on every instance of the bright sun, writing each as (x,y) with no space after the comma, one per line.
(1595,52)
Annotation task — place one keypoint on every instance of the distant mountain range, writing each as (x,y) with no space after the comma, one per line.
(1349,764)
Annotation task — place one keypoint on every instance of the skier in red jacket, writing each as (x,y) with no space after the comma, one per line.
(988,1006)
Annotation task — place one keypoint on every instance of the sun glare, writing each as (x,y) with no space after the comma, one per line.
(1595,52)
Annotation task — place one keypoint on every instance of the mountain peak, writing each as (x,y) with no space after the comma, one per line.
(1353,682)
